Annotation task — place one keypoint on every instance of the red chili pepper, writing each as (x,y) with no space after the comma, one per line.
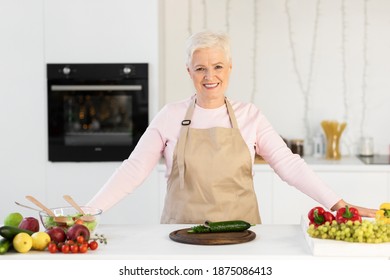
(319,216)
(346,214)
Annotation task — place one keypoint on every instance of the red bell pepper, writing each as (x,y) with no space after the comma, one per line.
(345,214)
(318,216)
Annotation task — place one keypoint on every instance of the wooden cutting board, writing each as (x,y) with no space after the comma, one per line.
(220,238)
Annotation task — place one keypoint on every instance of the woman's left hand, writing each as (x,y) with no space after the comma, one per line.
(363,212)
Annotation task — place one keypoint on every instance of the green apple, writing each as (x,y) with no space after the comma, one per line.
(13,219)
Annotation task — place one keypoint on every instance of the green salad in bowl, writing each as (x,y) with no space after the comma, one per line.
(68,216)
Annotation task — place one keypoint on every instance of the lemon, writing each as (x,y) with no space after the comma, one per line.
(13,219)
(22,242)
(40,240)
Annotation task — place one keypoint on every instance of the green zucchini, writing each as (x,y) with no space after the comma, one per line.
(224,226)
(5,244)
(9,232)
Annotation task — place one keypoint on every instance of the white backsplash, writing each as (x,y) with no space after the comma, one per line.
(300,61)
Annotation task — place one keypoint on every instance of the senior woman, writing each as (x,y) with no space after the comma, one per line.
(209,144)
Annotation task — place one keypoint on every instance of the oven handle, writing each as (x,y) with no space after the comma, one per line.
(96,87)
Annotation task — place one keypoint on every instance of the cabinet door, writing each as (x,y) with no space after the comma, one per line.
(289,204)
(22,117)
(366,189)
(162,186)
(263,184)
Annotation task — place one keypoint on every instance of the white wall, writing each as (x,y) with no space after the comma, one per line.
(34,33)
(350,61)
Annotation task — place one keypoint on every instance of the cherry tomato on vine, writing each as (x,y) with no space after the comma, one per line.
(65,249)
(80,239)
(93,245)
(52,247)
(74,248)
(83,248)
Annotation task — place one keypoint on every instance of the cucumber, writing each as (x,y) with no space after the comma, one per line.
(224,226)
(5,244)
(9,232)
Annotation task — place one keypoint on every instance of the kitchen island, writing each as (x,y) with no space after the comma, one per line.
(152,242)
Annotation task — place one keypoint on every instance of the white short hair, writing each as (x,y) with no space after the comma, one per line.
(207,39)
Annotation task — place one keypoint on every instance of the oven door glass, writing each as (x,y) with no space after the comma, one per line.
(97,119)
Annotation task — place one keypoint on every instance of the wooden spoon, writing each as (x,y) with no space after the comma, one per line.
(59,220)
(28,207)
(84,217)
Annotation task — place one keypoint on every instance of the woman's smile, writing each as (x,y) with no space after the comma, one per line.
(211,86)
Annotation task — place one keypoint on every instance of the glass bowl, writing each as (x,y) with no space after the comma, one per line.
(70,216)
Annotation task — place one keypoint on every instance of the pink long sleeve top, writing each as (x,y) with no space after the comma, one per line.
(160,138)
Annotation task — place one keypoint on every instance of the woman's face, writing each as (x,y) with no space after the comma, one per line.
(210,71)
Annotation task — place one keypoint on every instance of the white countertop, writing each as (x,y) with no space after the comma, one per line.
(147,242)
(344,164)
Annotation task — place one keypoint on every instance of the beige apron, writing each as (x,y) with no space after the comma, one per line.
(211,177)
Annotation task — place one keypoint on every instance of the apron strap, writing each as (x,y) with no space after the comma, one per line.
(182,142)
(232,116)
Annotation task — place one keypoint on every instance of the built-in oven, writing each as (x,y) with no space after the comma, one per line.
(96,112)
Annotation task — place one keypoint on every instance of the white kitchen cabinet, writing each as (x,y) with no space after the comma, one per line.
(123,31)
(22,115)
(279,203)
(138,207)
(101,31)
(34,33)
(363,188)
(263,183)
(367,189)
(162,186)
(364,185)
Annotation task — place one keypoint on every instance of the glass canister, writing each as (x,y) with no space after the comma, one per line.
(366,147)
(297,146)
(319,146)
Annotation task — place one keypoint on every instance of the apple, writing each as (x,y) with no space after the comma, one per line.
(57,234)
(29,223)
(77,230)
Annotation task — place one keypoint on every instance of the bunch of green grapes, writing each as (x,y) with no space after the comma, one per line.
(363,232)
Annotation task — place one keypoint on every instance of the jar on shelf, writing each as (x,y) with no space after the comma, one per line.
(297,146)
(333,131)
(366,147)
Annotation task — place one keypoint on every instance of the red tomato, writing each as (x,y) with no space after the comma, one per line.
(65,249)
(80,239)
(93,245)
(83,248)
(52,247)
(74,248)
(79,222)
(69,242)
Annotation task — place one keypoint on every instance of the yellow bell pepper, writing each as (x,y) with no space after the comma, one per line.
(383,214)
